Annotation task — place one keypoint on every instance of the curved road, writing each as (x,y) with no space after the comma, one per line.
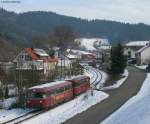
(118,97)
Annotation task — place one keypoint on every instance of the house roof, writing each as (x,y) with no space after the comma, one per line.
(137,43)
(143,48)
(40,54)
(79,52)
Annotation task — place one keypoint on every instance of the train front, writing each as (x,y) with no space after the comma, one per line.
(36,99)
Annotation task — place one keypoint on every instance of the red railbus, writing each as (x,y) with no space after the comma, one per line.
(80,84)
(49,95)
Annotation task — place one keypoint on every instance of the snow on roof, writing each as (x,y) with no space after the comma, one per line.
(47,85)
(88,43)
(40,52)
(142,49)
(105,47)
(71,56)
(137,43)
(81,52)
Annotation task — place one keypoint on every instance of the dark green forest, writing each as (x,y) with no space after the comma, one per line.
(21,28)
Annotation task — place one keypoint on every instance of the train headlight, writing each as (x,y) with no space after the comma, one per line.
(41,101)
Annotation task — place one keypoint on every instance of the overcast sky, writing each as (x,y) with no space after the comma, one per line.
(133,11)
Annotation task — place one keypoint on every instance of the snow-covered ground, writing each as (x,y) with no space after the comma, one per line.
(6,115)
(69,109)
(119,82)
(6,103)
(134,111)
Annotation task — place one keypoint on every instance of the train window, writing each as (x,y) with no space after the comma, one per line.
(52,93)
(77,84)
(60,90)
(68,87)
(37,95)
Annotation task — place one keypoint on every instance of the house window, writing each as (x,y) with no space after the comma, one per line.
(129,54)
(27,58)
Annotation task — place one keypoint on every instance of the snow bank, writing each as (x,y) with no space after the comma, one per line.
(119,82)
(142,67)
(134,111)
(67,110)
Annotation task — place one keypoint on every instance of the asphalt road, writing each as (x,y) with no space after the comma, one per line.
(118,97)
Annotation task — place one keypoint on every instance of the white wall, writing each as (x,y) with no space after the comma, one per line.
(145,56)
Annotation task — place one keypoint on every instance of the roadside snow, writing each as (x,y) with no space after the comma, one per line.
(142,67)
(134,111)
(67,110)
(119,82)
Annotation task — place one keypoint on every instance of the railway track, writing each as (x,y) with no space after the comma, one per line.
(96,75)
(24,117)
(96,79)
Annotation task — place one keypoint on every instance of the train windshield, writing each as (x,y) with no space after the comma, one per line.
(36,95)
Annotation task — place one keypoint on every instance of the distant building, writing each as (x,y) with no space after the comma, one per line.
(64,62)
(81,55)
(132,47)
(143,55)
(37,58)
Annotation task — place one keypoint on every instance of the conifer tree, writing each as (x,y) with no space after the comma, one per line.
(118,60)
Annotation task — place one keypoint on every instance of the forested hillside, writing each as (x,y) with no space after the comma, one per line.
(7,50)
(21,28)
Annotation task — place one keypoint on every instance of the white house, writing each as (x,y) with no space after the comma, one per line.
(38,58)
(132,47)
(143,55)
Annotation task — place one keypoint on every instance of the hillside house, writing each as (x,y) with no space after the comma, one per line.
(37,58)
(143,55)
(132,47)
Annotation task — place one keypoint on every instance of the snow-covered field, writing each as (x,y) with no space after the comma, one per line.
(69,109)
(88,43)
(119,82)
(134,111)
